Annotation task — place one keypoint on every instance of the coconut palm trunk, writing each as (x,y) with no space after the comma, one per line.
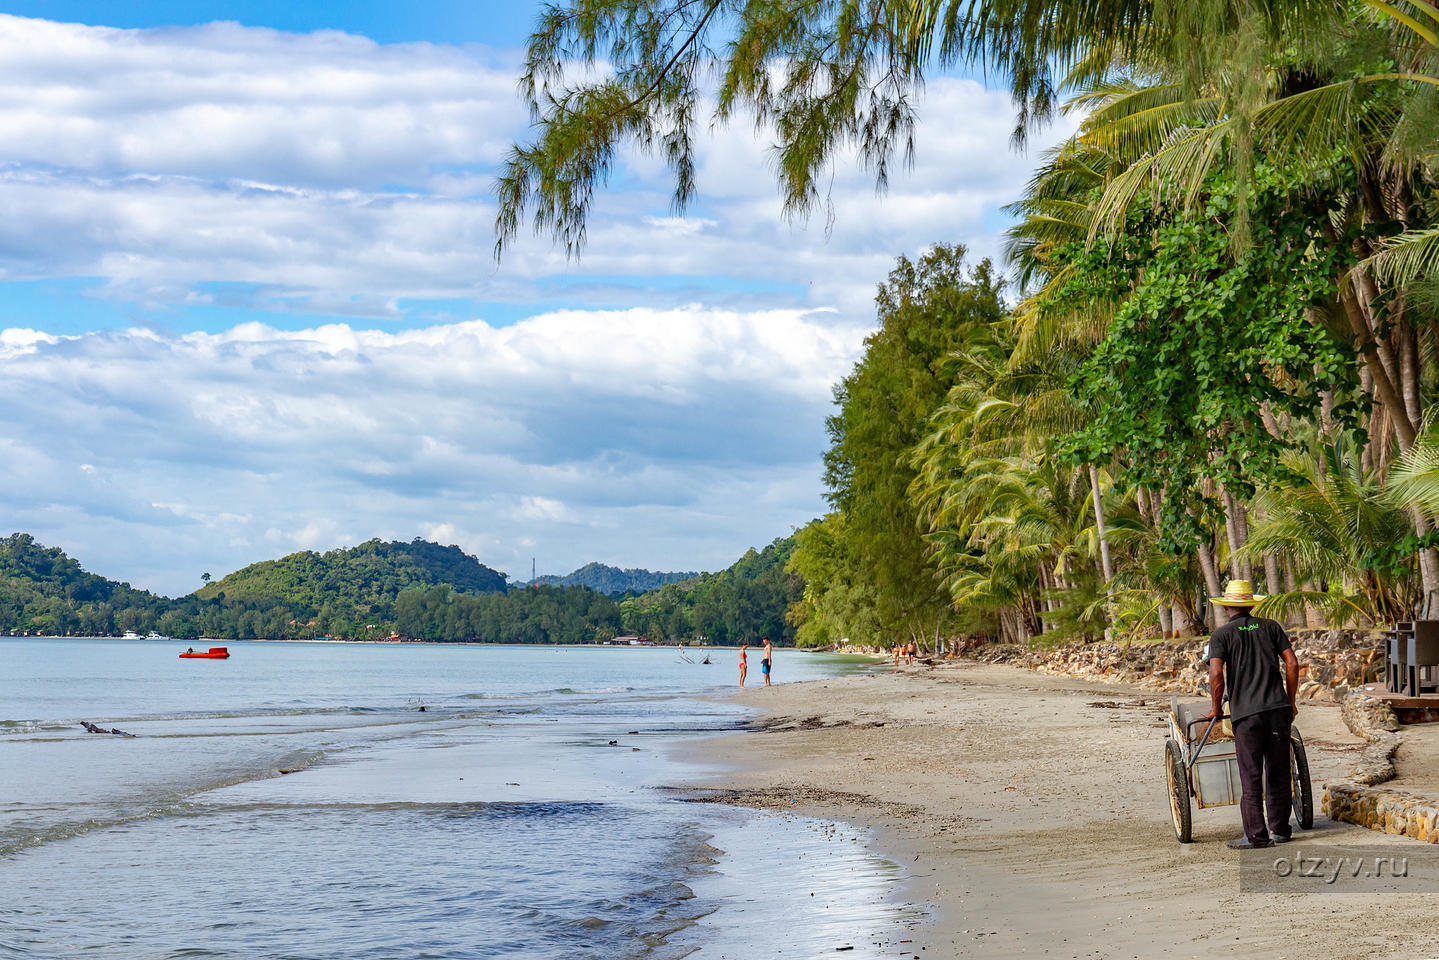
(1105,560)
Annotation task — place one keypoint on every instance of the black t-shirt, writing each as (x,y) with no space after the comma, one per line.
(1253,673)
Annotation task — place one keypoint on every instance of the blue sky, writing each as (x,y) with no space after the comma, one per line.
(248,303)
(495,24)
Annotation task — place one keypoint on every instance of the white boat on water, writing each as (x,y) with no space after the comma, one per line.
(131,635)
(152,635)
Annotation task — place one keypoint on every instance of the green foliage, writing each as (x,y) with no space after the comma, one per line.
(367,592)
(536,614)
(1208,344)
(613,581)
(738,605)
(872,583)
(44,591)
(367,578)
(1346,534)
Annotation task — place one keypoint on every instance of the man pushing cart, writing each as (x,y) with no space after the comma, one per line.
(1251,659)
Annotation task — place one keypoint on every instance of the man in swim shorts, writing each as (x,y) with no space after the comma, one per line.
(764,664)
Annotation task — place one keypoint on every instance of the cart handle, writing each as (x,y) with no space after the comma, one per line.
(1204,739)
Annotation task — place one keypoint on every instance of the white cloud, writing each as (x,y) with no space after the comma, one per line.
(674,417)
(669,438)
(327,173)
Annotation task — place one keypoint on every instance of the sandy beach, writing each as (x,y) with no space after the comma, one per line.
(1030,815)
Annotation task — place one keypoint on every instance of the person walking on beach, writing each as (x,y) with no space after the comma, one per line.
(743,663)
(1247,653)
(764,664)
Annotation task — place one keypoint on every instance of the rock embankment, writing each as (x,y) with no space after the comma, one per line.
(1331,662)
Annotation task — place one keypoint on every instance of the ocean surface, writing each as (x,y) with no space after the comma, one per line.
(295,801)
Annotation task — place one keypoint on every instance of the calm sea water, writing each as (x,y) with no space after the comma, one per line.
(294,801)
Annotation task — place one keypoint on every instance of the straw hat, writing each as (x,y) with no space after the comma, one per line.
(1239,593)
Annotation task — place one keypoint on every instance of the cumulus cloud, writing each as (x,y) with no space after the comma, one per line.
(667,437)
(329,174)
(663,407)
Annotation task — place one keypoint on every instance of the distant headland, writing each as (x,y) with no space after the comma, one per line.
(395,589)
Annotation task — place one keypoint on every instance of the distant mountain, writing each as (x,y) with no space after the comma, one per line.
(416,589)
(42,590)
(614,581)
(740,604)
(367,577)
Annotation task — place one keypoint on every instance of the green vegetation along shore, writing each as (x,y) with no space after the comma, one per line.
(1216,351)
(379,589)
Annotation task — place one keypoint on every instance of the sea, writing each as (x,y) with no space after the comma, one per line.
(391,801)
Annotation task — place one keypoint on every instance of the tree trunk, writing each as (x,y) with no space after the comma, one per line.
(1106,563)
(1272,581)
(1375,355)
(1211,579)
(1166,619)
(1414,406)
(1428,562)
(1235,526)
(1184,621)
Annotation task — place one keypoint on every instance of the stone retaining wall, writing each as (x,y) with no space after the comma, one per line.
(1388,811)
(1331,662)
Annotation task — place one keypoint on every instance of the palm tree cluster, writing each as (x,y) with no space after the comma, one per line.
(1225,346)
(1227,336)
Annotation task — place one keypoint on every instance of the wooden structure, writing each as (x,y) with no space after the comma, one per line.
(1411,671)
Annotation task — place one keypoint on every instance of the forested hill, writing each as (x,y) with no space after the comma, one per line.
(43,590)
(419,590)
(613,581)
(370,576)
(736,605)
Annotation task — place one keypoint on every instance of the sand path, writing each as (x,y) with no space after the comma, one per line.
(1033,822)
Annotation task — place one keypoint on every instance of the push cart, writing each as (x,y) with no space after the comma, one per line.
(1199,762)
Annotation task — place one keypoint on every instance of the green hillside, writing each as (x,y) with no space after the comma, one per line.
(418,589)
(736,605)
(614,581)
(44,591)
(366,578)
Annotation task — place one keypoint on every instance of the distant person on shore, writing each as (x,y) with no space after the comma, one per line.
(765,664)
(743,663)
(909,651)
(898,652)
(1252,650)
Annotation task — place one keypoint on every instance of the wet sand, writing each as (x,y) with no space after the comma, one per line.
(1030,816)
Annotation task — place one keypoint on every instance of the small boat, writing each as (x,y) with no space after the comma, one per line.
(131,635)
(215,653)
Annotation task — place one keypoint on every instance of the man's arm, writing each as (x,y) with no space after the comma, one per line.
(1291,677)
(1216,687)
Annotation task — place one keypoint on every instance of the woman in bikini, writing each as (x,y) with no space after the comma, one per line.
(743,664)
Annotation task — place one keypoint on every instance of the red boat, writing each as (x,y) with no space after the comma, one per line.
(216,653)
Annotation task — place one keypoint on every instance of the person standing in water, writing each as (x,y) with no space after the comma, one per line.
(768,659)
(743,663)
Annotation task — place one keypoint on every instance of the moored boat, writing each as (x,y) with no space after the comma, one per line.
(215,653)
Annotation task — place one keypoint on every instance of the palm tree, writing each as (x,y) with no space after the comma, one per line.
(1346,535)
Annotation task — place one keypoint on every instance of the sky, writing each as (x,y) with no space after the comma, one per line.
(248,303)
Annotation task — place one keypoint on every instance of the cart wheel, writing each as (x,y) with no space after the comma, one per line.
(1302,791)
(1177,778)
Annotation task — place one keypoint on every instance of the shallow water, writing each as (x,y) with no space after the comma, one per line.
(294,801)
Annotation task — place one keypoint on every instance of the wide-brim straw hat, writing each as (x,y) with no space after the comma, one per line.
(1239,593)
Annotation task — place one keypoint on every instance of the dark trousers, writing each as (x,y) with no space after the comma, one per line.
(1261,745)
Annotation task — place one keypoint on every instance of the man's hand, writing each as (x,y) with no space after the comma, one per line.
(1216,688)
(1294,708)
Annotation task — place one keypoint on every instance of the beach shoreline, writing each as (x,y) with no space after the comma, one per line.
(1030,816)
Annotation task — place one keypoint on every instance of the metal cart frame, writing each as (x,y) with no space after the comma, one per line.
(1206,771)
